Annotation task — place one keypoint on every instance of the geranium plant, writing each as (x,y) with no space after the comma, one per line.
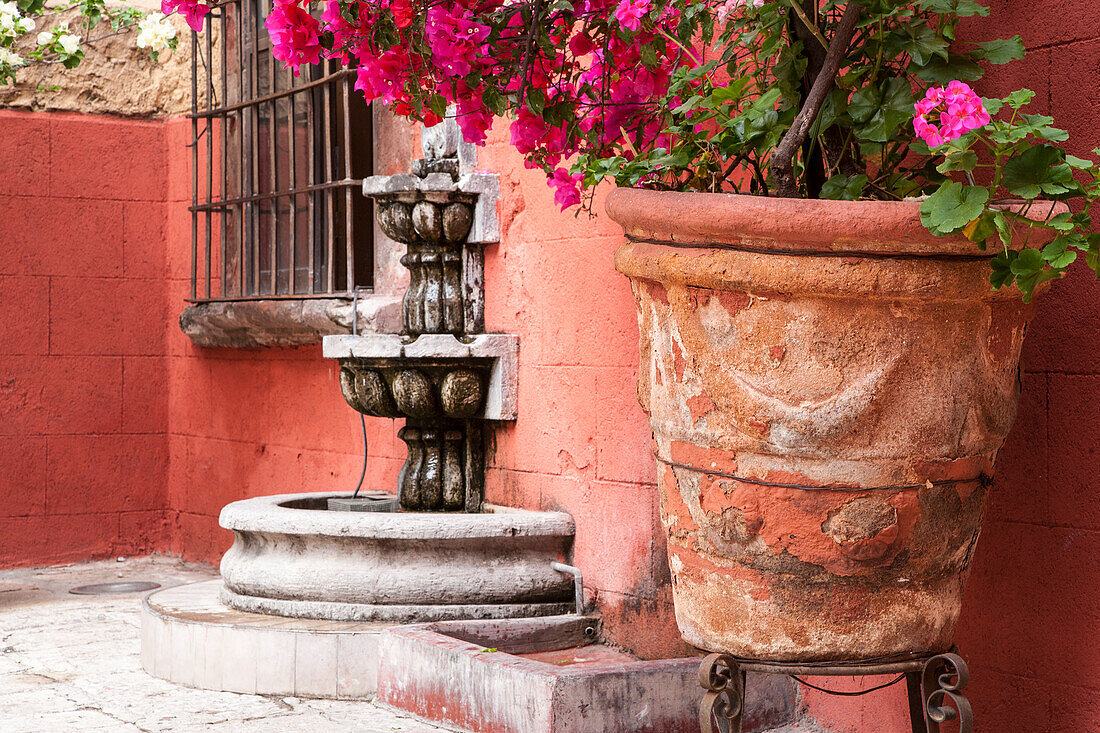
(792,98)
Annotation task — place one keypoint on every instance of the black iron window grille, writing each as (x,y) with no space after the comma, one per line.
(278,162)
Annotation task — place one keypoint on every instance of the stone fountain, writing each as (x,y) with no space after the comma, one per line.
(338,577)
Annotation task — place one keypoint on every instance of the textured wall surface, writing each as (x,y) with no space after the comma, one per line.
(115,77)
(83,415)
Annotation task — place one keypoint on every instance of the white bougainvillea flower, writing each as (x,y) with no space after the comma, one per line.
(24,25)
(70,43)
(9,8)
(10,58)
(45,38)
(7,25)
(155,32)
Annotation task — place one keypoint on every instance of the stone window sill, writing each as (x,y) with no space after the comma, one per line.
(282,323)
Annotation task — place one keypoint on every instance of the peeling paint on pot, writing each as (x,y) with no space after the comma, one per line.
(828,386)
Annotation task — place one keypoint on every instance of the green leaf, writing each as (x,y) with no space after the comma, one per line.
(984,228)
(1019,98)
(939,71)
(437,104)
(1057,255)
(1036,172)
(952,207)
(1080,164)
(1000,51)
(536,100)
(961,8)
(958,160)
(494,101)
(1027,261)
(1001,274)
(992,106)
(844,188)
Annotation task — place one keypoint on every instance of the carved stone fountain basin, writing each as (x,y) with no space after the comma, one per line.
(292,557)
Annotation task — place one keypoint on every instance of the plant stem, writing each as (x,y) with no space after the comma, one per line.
(813,29)
(782,168)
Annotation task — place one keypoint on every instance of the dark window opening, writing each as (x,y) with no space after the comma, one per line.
(278,164)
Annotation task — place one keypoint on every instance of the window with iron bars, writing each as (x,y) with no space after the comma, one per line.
(278,164)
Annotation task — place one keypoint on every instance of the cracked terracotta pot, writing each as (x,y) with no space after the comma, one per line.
(828,385)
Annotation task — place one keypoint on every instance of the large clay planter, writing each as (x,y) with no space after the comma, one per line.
(828,385)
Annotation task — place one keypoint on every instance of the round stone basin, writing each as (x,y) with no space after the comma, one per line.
(291,556)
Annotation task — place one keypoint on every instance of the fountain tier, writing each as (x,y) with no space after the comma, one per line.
(291,557)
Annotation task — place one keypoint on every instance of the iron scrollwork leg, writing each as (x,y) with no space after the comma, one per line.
(724,701)
(944,679)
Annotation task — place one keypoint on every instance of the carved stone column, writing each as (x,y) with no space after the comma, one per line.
(441,373)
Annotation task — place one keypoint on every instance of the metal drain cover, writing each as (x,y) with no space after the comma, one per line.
(100,589)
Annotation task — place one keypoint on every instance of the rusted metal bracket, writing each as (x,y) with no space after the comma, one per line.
(935,683)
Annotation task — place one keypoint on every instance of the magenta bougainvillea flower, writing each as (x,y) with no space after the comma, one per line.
(630,13)
(566,188)
(295,35)
(948,113)
(192,10)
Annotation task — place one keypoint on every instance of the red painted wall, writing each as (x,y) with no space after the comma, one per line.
(83,420)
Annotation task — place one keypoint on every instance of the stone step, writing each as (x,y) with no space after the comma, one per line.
(190,637)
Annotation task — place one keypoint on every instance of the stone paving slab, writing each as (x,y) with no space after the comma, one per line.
(71,663)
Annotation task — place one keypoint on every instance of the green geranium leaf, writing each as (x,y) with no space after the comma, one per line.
(1019,98)
(1080,164)
(982,229)
(952,207)
(864,103)
(844,188)
(1036,172)
(939,71)
(1000,51)
(962,8)
(1002,270)
(1057,255)
(958,160)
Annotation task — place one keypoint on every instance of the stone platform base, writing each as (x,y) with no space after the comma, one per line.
(550,675)
(190,637)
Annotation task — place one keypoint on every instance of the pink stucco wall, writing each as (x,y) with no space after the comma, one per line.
(83,420)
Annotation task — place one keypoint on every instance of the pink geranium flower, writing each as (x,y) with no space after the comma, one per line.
(629,13)
(948,113)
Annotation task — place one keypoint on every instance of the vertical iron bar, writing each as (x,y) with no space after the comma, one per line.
(224,178)
(349,227)
(916,702)
(208,129)
(242,7)
(330,200)
(254,188)
(194,165)
(292,141)
(273,202)
(311,144)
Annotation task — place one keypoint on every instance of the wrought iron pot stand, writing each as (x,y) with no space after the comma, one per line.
(935,682)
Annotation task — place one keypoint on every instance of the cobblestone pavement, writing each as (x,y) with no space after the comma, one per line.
(70,663)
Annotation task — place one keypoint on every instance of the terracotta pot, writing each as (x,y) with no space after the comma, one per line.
(828,385)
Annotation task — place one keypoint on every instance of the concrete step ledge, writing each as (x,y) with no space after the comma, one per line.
(188,636)
(542,676)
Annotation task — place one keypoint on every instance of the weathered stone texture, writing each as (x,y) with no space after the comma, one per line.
(828,387)
(115,77)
